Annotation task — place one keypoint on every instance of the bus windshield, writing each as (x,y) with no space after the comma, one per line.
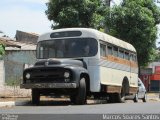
(67,48)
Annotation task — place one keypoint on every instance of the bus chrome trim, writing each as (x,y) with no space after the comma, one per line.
(49,85)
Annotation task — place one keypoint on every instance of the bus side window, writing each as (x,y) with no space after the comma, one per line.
(109,50)
(134,58)
(126,55)
(131,57)
(121,54)
(115,51)
(103,50)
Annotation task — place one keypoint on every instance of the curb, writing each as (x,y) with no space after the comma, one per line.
(13,103)
(24,102)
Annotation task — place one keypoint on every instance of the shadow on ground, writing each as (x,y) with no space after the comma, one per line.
(60,102)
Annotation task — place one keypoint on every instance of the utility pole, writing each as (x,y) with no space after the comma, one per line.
(108,3)
(158,1)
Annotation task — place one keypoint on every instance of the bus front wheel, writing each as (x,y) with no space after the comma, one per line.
(35,96)
(80,97)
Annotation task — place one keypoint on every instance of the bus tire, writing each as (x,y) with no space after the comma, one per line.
(121,96)
(35,97)
(121,99)
(144,99)
(135,98)
(80,97)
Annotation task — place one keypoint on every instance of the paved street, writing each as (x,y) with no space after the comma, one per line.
(62,109)
(65,107)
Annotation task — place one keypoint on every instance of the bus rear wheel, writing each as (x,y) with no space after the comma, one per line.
(135,98)
(121,96)
(80,97)
(116,98)
(144,99)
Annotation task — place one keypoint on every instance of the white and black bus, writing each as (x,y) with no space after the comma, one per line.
(80,62)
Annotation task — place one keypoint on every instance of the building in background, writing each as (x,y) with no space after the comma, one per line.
(4,40)
(145,74)
(151,76)
(155,77)
(16,59)
(25,37)
(19,53)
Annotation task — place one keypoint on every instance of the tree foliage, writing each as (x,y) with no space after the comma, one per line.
(2,50)
(135,22)
(76,13)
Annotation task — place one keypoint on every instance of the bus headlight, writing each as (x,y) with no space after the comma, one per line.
(28,76)
(66,74)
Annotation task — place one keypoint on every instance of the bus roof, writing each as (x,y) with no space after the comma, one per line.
(88,32)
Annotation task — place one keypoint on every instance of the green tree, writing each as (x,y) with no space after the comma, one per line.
(76,13)
(2,50)
(135,22)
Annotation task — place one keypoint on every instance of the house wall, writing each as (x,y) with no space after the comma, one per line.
(2,73)
(151,76)
(152,65)
(14,62)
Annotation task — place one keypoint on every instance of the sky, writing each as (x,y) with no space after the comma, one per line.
(29,16)
(24,15)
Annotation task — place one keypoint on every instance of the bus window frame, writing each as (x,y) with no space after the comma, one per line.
(104,44)
(122,51)
(115,51)
(109,45)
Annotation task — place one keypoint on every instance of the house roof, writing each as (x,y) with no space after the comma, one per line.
(31,33)
(7,43)
(14,45)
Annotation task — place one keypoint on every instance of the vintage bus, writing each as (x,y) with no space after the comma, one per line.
(82,62)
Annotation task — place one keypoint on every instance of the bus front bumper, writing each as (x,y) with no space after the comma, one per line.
(48,85)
